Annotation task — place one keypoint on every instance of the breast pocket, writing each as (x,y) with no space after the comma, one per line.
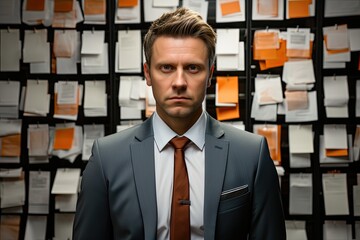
(234,214)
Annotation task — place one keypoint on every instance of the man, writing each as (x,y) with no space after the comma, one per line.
(127,186)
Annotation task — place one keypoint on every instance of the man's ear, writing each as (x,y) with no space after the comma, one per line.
(147,74)
(210,74)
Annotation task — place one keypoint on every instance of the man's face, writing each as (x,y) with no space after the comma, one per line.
(179,75)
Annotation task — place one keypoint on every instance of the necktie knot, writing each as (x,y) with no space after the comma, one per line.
(179,142)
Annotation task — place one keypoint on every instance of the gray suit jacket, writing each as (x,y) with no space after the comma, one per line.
(118,197)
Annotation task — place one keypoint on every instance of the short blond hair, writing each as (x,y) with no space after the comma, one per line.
(180,23)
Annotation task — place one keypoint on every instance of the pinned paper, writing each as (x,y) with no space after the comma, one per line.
(272,134)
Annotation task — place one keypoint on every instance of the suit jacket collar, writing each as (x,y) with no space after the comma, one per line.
(142,153)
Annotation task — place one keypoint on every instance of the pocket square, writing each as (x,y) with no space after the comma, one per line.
(233,192)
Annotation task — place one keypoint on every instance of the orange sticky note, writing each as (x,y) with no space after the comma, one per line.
(227,113)
(11,145)
(63,138)
(336,152)
(94,7)
(272,135)
(35,5)
(298,9)
(279,58)
(63,5)
(230,8)
(127,3)
(228,91)
(266,45)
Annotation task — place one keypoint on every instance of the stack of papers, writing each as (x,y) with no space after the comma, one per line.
(227,98)
(66,185)
(37,99)
(91,133)
(132,94)
(38,143)
(35,12)
(10,50)
(66,14)
(127,11)
(12,192)
(336,46)
(66,51)
(94,53)
(9,99)
(301,144)
(268,10)
(229,51)
(66,100)
(128,52)
(94,11)
(66,141)
(301,198)
(230,11)
(10,140)
(95,99)
(335,145)
(272,133)
(36,51)
(336,96)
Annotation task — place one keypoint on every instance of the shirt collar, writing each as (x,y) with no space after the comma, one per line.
(163,133)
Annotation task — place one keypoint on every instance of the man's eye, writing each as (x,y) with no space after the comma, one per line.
(193,68)
(166,68)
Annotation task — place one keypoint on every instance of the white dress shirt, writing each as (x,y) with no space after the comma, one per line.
(164,171)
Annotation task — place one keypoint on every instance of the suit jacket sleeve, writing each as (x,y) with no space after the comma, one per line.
(267,212)
(92,218)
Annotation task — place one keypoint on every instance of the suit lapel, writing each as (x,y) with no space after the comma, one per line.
(215,164)
(142,153)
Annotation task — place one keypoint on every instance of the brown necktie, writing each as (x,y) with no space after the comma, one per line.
(180,206)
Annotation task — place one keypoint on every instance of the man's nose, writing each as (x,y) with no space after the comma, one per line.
(180,79)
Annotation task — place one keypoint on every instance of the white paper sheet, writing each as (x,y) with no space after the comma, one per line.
(66,181)
(35,227)
(300,200)
(10,50)
(301,139)
(335,194)
(39,192)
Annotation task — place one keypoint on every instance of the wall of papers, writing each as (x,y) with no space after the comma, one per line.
(71,72)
